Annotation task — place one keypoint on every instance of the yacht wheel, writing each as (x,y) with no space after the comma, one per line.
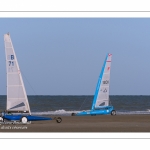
(1,119)
(73,114)
(24,120)
(113,112)
(58,120)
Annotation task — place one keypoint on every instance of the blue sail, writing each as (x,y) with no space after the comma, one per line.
(98,84)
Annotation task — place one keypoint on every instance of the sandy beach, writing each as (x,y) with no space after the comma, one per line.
(107,123)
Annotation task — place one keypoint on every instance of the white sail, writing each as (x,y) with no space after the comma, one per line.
(17,100)
(102,96)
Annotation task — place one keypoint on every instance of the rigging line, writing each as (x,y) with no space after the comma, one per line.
(83,103)
(109,101)
(29,83)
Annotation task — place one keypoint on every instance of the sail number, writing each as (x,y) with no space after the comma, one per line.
(11,57)
(105,82)
(11,63)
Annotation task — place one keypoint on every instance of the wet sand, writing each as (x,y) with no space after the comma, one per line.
(106,123)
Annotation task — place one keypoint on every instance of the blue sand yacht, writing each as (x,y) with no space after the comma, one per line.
(18,108)
(100,105)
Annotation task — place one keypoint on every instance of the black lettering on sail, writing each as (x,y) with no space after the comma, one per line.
(105,82)
(19,105)
(102,104)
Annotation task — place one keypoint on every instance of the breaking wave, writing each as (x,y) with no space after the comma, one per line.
(68,113)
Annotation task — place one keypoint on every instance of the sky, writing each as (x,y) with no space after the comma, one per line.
(64,56)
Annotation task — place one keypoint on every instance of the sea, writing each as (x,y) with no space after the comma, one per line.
(65,105)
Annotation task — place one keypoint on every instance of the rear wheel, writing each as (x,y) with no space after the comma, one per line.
(113,112)
(58,120)
(24,120)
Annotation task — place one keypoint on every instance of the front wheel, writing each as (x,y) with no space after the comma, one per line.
(1,119)
(73,114)
(58,120)
(113,112)
(24,120)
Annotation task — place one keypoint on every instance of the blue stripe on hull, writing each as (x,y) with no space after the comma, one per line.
(104,111)
(30,118)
